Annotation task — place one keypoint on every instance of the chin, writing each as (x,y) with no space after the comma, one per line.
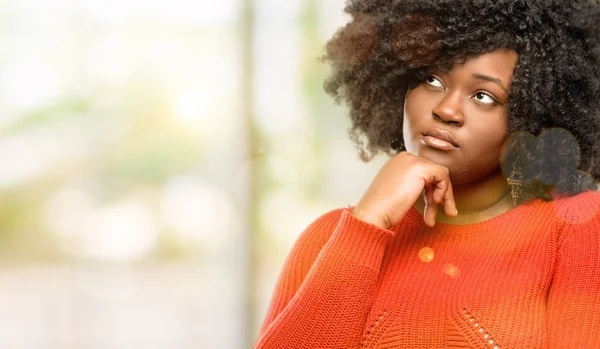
(447,159)
(436,155)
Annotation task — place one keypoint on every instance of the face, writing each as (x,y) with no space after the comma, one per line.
(466,107)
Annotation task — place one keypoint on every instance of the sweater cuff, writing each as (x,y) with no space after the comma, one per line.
(361,241)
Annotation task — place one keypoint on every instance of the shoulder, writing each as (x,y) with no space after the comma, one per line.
(331,216)
(317,233)
(578,209)
(579,216)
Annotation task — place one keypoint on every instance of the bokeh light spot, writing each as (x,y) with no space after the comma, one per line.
(361,34)
(416,40)
(426,254)
(451,270)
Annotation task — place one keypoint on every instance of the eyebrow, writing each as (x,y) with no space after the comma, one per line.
(491,79)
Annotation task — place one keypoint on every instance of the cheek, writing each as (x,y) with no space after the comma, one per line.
(413,108)
(490,136)
(486,126)
(411,122)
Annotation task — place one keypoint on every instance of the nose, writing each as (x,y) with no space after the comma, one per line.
(449,110)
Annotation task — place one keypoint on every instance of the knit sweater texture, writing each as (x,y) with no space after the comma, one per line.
(527,278)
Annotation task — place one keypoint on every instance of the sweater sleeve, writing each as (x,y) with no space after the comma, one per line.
(574,298)
(326,287)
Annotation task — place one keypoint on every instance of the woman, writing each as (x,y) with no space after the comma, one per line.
(487,108)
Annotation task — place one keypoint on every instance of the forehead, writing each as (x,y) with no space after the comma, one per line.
(499,64)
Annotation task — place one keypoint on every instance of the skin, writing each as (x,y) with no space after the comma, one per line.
(473,110)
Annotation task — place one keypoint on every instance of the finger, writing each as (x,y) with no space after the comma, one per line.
(440,178)
(440,189)
(448,200)
(430,207)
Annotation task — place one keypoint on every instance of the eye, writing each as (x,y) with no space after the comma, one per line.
(484,98)
(433,81)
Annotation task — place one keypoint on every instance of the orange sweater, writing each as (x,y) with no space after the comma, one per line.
(528,278)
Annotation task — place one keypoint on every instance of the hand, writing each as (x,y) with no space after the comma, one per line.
(397,186)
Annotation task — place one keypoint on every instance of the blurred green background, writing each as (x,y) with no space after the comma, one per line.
(158,160)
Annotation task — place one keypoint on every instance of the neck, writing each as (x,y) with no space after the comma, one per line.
(476,201)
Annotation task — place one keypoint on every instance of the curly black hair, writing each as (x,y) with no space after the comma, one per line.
(389,46)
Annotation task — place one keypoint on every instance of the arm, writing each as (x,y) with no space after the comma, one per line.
(323,294)
(574,297)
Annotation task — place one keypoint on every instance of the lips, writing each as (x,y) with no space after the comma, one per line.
(440,134)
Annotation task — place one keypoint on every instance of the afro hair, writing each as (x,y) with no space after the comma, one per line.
(554,101)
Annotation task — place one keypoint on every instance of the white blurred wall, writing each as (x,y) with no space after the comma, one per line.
(122,165)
